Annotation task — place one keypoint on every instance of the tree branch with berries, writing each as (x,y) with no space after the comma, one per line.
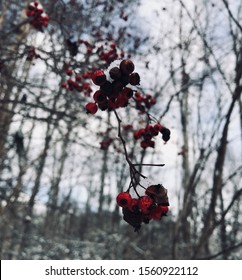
(114,93)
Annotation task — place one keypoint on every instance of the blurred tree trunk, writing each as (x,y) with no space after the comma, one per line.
(52,218)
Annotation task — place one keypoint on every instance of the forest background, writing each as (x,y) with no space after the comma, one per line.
(61,168)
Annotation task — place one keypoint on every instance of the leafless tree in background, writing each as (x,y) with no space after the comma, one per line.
(58,187)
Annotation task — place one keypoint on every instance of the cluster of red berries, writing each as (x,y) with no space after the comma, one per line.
(38,18)
(147,133)
(151,206)
(108,55)
(144,101)
(106,52)
(115,94)
(77,82)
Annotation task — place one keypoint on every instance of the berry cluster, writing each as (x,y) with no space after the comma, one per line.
(115,94)
(151,206)
(38,18)
(77,82)
(147,133)
(106,52)
(108,55)
(144,102)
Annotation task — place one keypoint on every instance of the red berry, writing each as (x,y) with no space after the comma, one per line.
(112,104)
(113,45)
(103,106)
(126,66)
(149,128)
(164,209)
(157,213)
(117,86)
(134,205)
(152,101)
(91,108)
(115,73)
(99,96)
(70,82)
(134,79)
(138,97)
(137,134)
(78,78)
(127,92)
(122,101)
(99,78)
(124,199)
(125,79)
(145,203)
(144,144)
(157,127)
(107,88)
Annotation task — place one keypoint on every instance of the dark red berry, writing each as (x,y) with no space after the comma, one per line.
(126,66)
(157,127)
(134,218)
(69,72)
(115,73)
(127,92)
(165,133)
(134,79)
(99,78)
(122,101)
(103,106)
(78,78)
(164,209)
(117,86)
(106,88)
(144,144)
(125,79)
(152,101)
(99,96)
(137,134)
